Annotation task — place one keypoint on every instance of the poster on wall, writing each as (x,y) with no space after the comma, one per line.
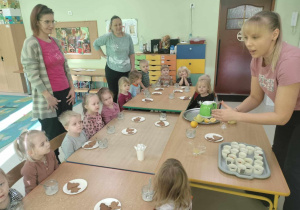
(129,27)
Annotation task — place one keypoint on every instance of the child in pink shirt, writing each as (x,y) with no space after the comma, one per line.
(124,94)
(92,121)
(110,109)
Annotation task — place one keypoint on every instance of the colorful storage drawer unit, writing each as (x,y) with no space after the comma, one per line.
(138,58)
(9,4)
(192,56)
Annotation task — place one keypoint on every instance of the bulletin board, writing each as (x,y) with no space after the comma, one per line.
(129,27)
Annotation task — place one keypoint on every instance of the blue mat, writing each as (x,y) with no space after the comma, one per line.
(11,104)
(13,131)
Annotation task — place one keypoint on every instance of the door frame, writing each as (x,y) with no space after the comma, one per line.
(218,44)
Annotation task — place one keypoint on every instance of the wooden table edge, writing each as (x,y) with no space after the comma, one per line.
(143,108)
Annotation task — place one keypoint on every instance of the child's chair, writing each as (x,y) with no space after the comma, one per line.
(15,174)
(81,85)
(98,79)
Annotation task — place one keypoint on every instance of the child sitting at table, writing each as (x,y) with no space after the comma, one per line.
(75,137)
(203,89)
(183,74)
(124,94)
(165,78)
(135,78)
(92,121)
(9,198)
(171,187)
(110,109)
(34,147)
(144,65)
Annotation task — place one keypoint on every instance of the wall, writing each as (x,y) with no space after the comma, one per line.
(156,18)
(285,9)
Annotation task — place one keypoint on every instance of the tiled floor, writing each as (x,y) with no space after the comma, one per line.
(203,199)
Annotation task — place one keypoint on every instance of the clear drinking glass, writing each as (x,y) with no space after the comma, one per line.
(171,96)
(190,133)
(176,85)
(163,116)
(110,129)
(51,187)
(147,193)
(120,116)
(103,143)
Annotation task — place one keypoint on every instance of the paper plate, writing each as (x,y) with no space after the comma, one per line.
(210,135)
(82,186)
(156,93)
(158,89)
(183,98)
(158,125)
(94,147)
(107,201)
(178,91)
(141,119)
(147,99)
(90,70)
(126,133)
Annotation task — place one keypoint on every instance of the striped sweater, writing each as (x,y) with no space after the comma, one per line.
(35,69)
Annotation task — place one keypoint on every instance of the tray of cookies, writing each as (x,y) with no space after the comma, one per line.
(193,115)
(243,160)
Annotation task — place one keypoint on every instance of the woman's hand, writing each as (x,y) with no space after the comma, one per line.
(71,96)
(51,100)
(225,114)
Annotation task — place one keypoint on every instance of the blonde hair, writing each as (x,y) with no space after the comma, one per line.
(134,75)
(205,78)
(164,67)
(23,143)
(272,21)
(122,81)
(65,117)
(104,90)
(171,184)
(183,68)
(85,100)
(143,61)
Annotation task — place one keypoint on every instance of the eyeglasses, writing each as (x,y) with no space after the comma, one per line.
(48,22)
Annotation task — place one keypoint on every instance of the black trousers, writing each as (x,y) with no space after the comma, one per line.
(287,151)
(112,78)
(51,126)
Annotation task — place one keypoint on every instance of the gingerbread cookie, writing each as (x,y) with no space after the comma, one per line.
(104,207)
(73,187)
(90,144)
(137,119)
(130,130)
(114,205)
(161,124)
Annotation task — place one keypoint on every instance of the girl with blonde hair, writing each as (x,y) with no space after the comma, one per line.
(275,72)
(172,188)
(124,94)
(183,74)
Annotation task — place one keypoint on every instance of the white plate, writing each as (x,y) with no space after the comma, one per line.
(151,99)
(183,87)
(156,93)
(106,201)
(124,131)
(158,89)
(82,186)
(141,120)
(166,124)
(210,135)
(78,69)
(90,70)
(178,91)
(94,147)
(182,98)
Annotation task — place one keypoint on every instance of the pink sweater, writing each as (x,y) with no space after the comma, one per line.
(110,113)
(92,124)
(35,172)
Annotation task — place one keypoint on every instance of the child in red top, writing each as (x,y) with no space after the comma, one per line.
(34,147)
(110,109)
(124,94)
(92,121)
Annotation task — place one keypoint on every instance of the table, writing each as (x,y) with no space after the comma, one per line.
(203,169)
(161,102)
(102,183)
(120,153)
(97,72)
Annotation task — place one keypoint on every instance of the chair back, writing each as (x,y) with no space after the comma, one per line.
(99,79)
(55,143)
(15,174)
(80,78)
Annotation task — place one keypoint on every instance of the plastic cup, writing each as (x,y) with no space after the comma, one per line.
(176,85)
(51,187)
(225,153)
(171,96)
(163,116)
(120,116)
(197,148)
(187,89)
(232,167)
(190,133)
(140,155)
(147,193)
(103,143)
(249,169)
(111,129)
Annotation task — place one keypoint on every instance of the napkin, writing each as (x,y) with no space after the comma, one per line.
(140,147)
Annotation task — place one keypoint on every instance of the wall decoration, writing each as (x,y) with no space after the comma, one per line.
(77,39)
(129,27)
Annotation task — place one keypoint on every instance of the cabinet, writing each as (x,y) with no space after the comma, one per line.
(155,63)
(11,43)
(193,57)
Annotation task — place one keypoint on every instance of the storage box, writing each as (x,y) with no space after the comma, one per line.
(11,12)
(9,4)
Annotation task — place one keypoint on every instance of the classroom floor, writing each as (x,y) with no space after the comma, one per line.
(202,199)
